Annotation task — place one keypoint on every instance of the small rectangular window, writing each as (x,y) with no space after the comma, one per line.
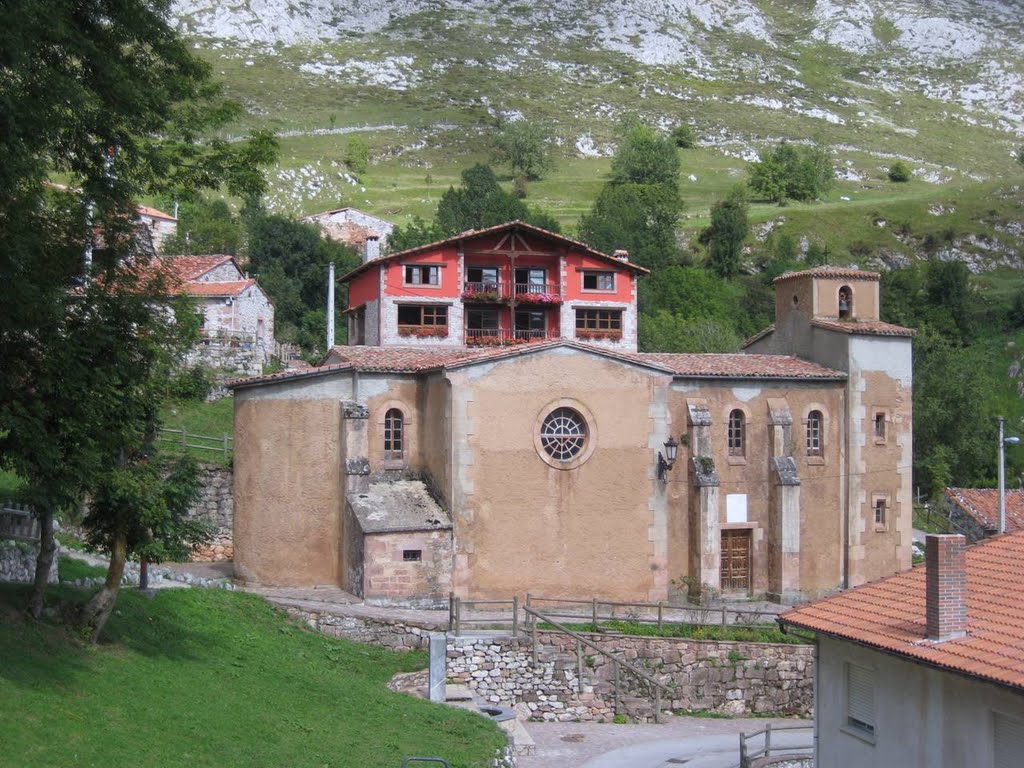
(416,274)
(412,555)
(880,511)
(814,433)
(860,699)
(880,426)
(599,281)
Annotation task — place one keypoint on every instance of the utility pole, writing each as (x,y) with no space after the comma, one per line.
(330,307)
(1002,479)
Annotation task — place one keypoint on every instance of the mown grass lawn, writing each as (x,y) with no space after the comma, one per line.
(212,678)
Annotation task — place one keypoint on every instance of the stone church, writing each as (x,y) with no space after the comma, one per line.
(491,430)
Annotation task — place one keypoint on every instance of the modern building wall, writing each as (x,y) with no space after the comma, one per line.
(924,717)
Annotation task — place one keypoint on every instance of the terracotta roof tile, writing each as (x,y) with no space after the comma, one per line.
(835,273)
(983,505)
(471,233)
(191,267)
(741,366)
(143,210)
(889,615)
(218,289)
(868,327)
(396,359)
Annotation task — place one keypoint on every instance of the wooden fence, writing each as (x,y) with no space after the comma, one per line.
(18,522)
(493,614)
(185,439)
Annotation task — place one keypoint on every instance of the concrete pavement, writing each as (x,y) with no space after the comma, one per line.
(696,742)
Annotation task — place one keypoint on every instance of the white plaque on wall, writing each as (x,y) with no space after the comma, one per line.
(736,508)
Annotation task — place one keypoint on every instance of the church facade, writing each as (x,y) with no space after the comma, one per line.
(492,430)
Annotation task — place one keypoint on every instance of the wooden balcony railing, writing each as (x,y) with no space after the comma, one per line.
(497,337)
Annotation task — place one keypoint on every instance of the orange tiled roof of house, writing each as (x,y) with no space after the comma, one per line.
(889,615)
(983,505)
(190,267)
(395,359)
(232,288)
(837,273)
(153,212)
(870,327)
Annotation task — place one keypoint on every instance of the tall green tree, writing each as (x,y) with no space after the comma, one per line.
(291,259)
(206,226)
(104,93)
(638,208)
(793,172)
(724,238)
(524,146)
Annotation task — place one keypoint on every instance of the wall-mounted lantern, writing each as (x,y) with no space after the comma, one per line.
(666,462)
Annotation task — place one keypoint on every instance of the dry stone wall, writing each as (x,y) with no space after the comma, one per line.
(395,635)
(18,563)
(729,677)
(215,507)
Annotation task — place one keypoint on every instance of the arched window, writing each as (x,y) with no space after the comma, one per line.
(845,302)
(814,428)
(393,435)
(736,430)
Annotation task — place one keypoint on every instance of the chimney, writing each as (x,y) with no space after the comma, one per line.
(621,255)
(945,562)
(372,248)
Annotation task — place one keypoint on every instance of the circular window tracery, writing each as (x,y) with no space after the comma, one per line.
(563,434)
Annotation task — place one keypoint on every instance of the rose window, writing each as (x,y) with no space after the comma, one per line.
(563,434)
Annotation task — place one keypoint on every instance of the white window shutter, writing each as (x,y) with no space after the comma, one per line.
(1009,742)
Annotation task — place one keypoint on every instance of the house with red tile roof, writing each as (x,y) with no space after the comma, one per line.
(975,511)
(925,668)
(161,226)
(236,315)
(496,374)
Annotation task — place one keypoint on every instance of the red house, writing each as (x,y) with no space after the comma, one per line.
(509,284)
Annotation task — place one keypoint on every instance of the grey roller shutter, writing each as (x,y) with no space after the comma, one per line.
(860,697)
(1009,742)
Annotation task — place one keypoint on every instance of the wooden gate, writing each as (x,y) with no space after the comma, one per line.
(736,560)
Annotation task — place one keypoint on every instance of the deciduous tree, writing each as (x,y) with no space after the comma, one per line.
(108,96)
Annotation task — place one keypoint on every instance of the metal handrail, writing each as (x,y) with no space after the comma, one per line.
(747,755)
(582,641)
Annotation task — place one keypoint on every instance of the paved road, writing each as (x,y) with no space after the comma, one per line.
(693,741)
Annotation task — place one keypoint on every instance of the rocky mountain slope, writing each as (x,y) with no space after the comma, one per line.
(937,84)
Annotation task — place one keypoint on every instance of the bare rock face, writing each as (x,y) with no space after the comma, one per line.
(412,683)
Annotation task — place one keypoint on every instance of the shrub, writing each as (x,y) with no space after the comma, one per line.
(192,383)
(683,136)
(899,172)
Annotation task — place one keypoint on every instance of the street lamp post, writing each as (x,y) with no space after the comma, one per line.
(1003,442)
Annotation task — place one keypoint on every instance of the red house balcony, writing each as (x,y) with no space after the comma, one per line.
(502,337)
(492,292)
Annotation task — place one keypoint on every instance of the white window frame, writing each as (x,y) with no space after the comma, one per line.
(598,275)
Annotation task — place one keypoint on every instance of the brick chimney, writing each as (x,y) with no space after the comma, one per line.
(945,562)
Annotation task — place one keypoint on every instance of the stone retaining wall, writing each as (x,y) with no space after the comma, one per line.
(18,563)
(730,677)
(390,634)
(216,507)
